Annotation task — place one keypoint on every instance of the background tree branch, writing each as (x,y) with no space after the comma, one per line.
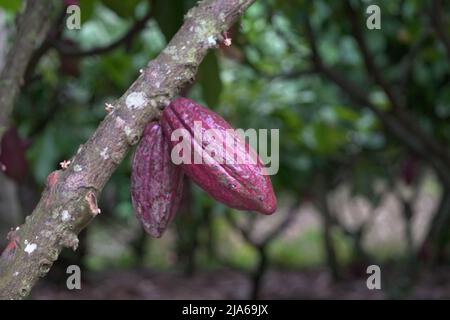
(33,25)
(69,201)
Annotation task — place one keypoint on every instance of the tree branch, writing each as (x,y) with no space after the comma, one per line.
(244,231)
(33,25)
(69,201)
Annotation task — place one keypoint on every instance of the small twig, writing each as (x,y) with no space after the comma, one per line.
(242,230)
(287,221)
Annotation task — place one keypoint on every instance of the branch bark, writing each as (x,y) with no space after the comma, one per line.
(33,25)
(68,202)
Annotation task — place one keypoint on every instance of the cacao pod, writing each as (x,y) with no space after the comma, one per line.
(238,184)
(156,183)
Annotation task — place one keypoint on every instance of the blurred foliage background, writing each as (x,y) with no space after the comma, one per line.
(364,150)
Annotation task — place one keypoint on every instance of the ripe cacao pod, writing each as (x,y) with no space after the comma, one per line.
(156,183)
(239,185)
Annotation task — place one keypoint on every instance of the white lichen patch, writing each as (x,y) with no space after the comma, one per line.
(65,216)
(211,41)
(104,154)
(30,248)
(173,52)
(136,100)
(25,241)
(77,168)
(128,131)
(15,274)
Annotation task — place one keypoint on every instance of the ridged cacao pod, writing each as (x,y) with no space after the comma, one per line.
(239,185)
(156,183)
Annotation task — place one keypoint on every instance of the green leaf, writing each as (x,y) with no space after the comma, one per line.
(169,15)
(44,155)
(124,9)
(209,79)
(87,9)
(12,6)
(346,114)
(328,138)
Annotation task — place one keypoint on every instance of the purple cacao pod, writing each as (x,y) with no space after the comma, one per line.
(156,183)
(241,185)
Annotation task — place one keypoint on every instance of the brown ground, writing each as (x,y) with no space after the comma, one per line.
(228,284)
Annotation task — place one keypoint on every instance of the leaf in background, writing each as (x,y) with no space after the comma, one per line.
(124,9)
(119,68)
(328,138)
(169,15)
(209,79)
(345,113)
(12,6)
(44,154)
(87,9)
(363,178)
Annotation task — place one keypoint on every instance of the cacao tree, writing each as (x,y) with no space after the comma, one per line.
(71,194)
